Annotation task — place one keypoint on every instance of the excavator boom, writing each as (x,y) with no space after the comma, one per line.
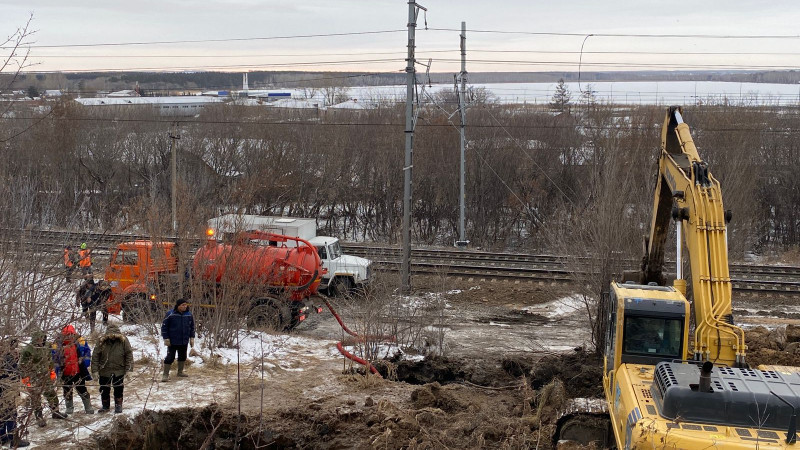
(664,389)
(687,192)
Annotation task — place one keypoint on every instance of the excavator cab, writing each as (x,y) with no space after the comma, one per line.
(647,324)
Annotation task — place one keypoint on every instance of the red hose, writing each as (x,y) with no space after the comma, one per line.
(352,357)
(347,354)
(339,319)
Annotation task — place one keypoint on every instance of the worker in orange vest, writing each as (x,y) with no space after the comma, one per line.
(69,262)
(85,260)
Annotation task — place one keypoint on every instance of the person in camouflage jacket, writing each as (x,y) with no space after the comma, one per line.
(9,393)
(112,359)
(36,366)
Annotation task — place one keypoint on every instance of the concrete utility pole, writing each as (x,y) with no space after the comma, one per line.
(462,78)
(405,270)
(174,169)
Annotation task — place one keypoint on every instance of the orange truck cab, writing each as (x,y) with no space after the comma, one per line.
(137,272)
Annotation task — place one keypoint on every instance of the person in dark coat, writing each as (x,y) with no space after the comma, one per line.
(112,359)
(92,297)
(36,365)
(9,392)
(177,329)
(72,358)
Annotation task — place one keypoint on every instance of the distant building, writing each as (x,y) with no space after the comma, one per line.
(52,93)
(270,96)
(166,106)
(353,103)
(216,93)
(124,93)
(295,103)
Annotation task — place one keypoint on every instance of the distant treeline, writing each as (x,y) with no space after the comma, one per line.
(176,81)
(577,182)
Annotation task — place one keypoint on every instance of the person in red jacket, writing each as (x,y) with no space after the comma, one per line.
(71,358)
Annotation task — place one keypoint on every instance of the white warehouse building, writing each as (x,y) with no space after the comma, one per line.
(166,106)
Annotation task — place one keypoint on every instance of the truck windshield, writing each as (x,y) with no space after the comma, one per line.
(653,336)
(126,258)
(336,250)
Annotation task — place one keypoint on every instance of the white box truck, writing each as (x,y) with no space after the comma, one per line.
(345,272)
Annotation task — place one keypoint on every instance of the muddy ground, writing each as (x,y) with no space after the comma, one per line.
(508,361)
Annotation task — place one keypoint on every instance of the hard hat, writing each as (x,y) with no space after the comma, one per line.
(67,330)
(83,246)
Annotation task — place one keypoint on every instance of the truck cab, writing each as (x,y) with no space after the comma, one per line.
(345,272)
(137,271)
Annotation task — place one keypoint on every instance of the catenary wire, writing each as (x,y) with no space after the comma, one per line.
(431,29)
(200,41)
(638,35)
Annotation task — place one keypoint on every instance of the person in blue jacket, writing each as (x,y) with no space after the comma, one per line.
(177,329)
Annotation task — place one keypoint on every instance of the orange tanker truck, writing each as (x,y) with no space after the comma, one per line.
(257,276)
(275,281)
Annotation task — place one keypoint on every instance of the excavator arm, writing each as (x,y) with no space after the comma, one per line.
(687,192)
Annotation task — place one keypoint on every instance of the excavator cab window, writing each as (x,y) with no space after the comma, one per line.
(653,336)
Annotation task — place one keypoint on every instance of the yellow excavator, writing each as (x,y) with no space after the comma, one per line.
(670,387)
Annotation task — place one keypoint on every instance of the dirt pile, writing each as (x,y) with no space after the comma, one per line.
(777,347)
(209,427)
(446,370)
(433,416)
(366,412)
(580,371)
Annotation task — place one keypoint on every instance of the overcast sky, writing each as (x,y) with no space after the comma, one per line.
(72,22)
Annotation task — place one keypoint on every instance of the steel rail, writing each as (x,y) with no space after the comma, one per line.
(518,267)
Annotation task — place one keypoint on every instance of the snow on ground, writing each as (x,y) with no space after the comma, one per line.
(426,301)
(558,308)
(213,376)
(257,358)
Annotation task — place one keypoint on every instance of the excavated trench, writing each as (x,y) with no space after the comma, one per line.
(210,427)
(457,403)
(580,371)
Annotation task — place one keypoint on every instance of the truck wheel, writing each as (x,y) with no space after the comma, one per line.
(265,315)
(137,309)
(341,286)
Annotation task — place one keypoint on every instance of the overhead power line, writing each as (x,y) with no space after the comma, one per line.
(557,65)
(232,66)
(421,51)
(374,32)
(199,41)
(628,35)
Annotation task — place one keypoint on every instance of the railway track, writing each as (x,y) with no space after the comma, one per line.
(466,264)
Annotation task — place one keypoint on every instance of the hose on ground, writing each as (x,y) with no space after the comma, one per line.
(340,345)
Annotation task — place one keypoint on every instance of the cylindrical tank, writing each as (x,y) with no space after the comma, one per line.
(263,264)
